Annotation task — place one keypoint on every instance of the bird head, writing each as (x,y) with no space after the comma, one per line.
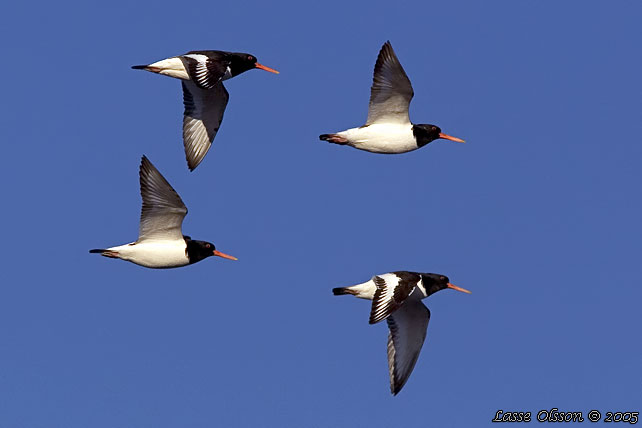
(433,282)
(425,133)
(199,250)
(242,62)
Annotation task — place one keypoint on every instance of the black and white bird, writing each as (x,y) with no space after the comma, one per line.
(161,243)
(388,128)
(204,96)
(396,297)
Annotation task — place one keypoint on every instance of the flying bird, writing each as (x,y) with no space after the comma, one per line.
(161,243)
(388,128)
(396,297)
(204,96)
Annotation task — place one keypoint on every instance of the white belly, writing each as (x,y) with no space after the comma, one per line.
(154,254)
(382,138)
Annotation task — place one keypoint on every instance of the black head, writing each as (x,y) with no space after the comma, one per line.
(199,250)
(425,133)
(433,282)
(241,62)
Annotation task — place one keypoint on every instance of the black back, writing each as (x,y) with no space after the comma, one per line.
(198,250)
(425,133)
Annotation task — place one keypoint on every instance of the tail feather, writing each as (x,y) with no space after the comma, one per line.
(106,253)
(333,138)
(342,290)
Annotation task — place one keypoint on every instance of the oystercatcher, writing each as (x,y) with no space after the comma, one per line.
(161,243)
(388,128)
(396,297)
(204,95)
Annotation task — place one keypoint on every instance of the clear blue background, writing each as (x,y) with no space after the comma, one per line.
(538,214)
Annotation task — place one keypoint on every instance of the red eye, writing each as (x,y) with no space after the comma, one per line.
(207,246)
(250,57)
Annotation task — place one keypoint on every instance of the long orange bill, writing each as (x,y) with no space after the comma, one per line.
(262,67)
(225,256)
(454,287)
(451,138)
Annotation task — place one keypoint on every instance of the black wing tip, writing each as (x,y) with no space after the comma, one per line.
(397,383)
(386,54)
(191,166)
(139,67)
(387,47)
(193,161)
(145,166)
(97,251)
(339,291)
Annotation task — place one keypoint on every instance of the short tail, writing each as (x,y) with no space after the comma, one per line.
(333,138)
(342,290)
(139,67)
(106,253)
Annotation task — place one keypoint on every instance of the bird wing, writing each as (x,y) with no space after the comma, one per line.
(391,90)
(163,210)
(407,327)
(203,70)
(392,290)
(203,115)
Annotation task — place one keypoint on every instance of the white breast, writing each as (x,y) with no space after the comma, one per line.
(382,138)
(155,254)
(228,73)
(422,289)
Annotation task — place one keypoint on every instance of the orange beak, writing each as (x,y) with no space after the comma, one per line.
(454,287)
(448,137)
(262,67)
(225,256)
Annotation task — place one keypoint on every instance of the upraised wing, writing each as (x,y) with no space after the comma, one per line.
(391,90)
(163,211)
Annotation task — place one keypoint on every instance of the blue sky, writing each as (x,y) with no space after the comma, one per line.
(538,215)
